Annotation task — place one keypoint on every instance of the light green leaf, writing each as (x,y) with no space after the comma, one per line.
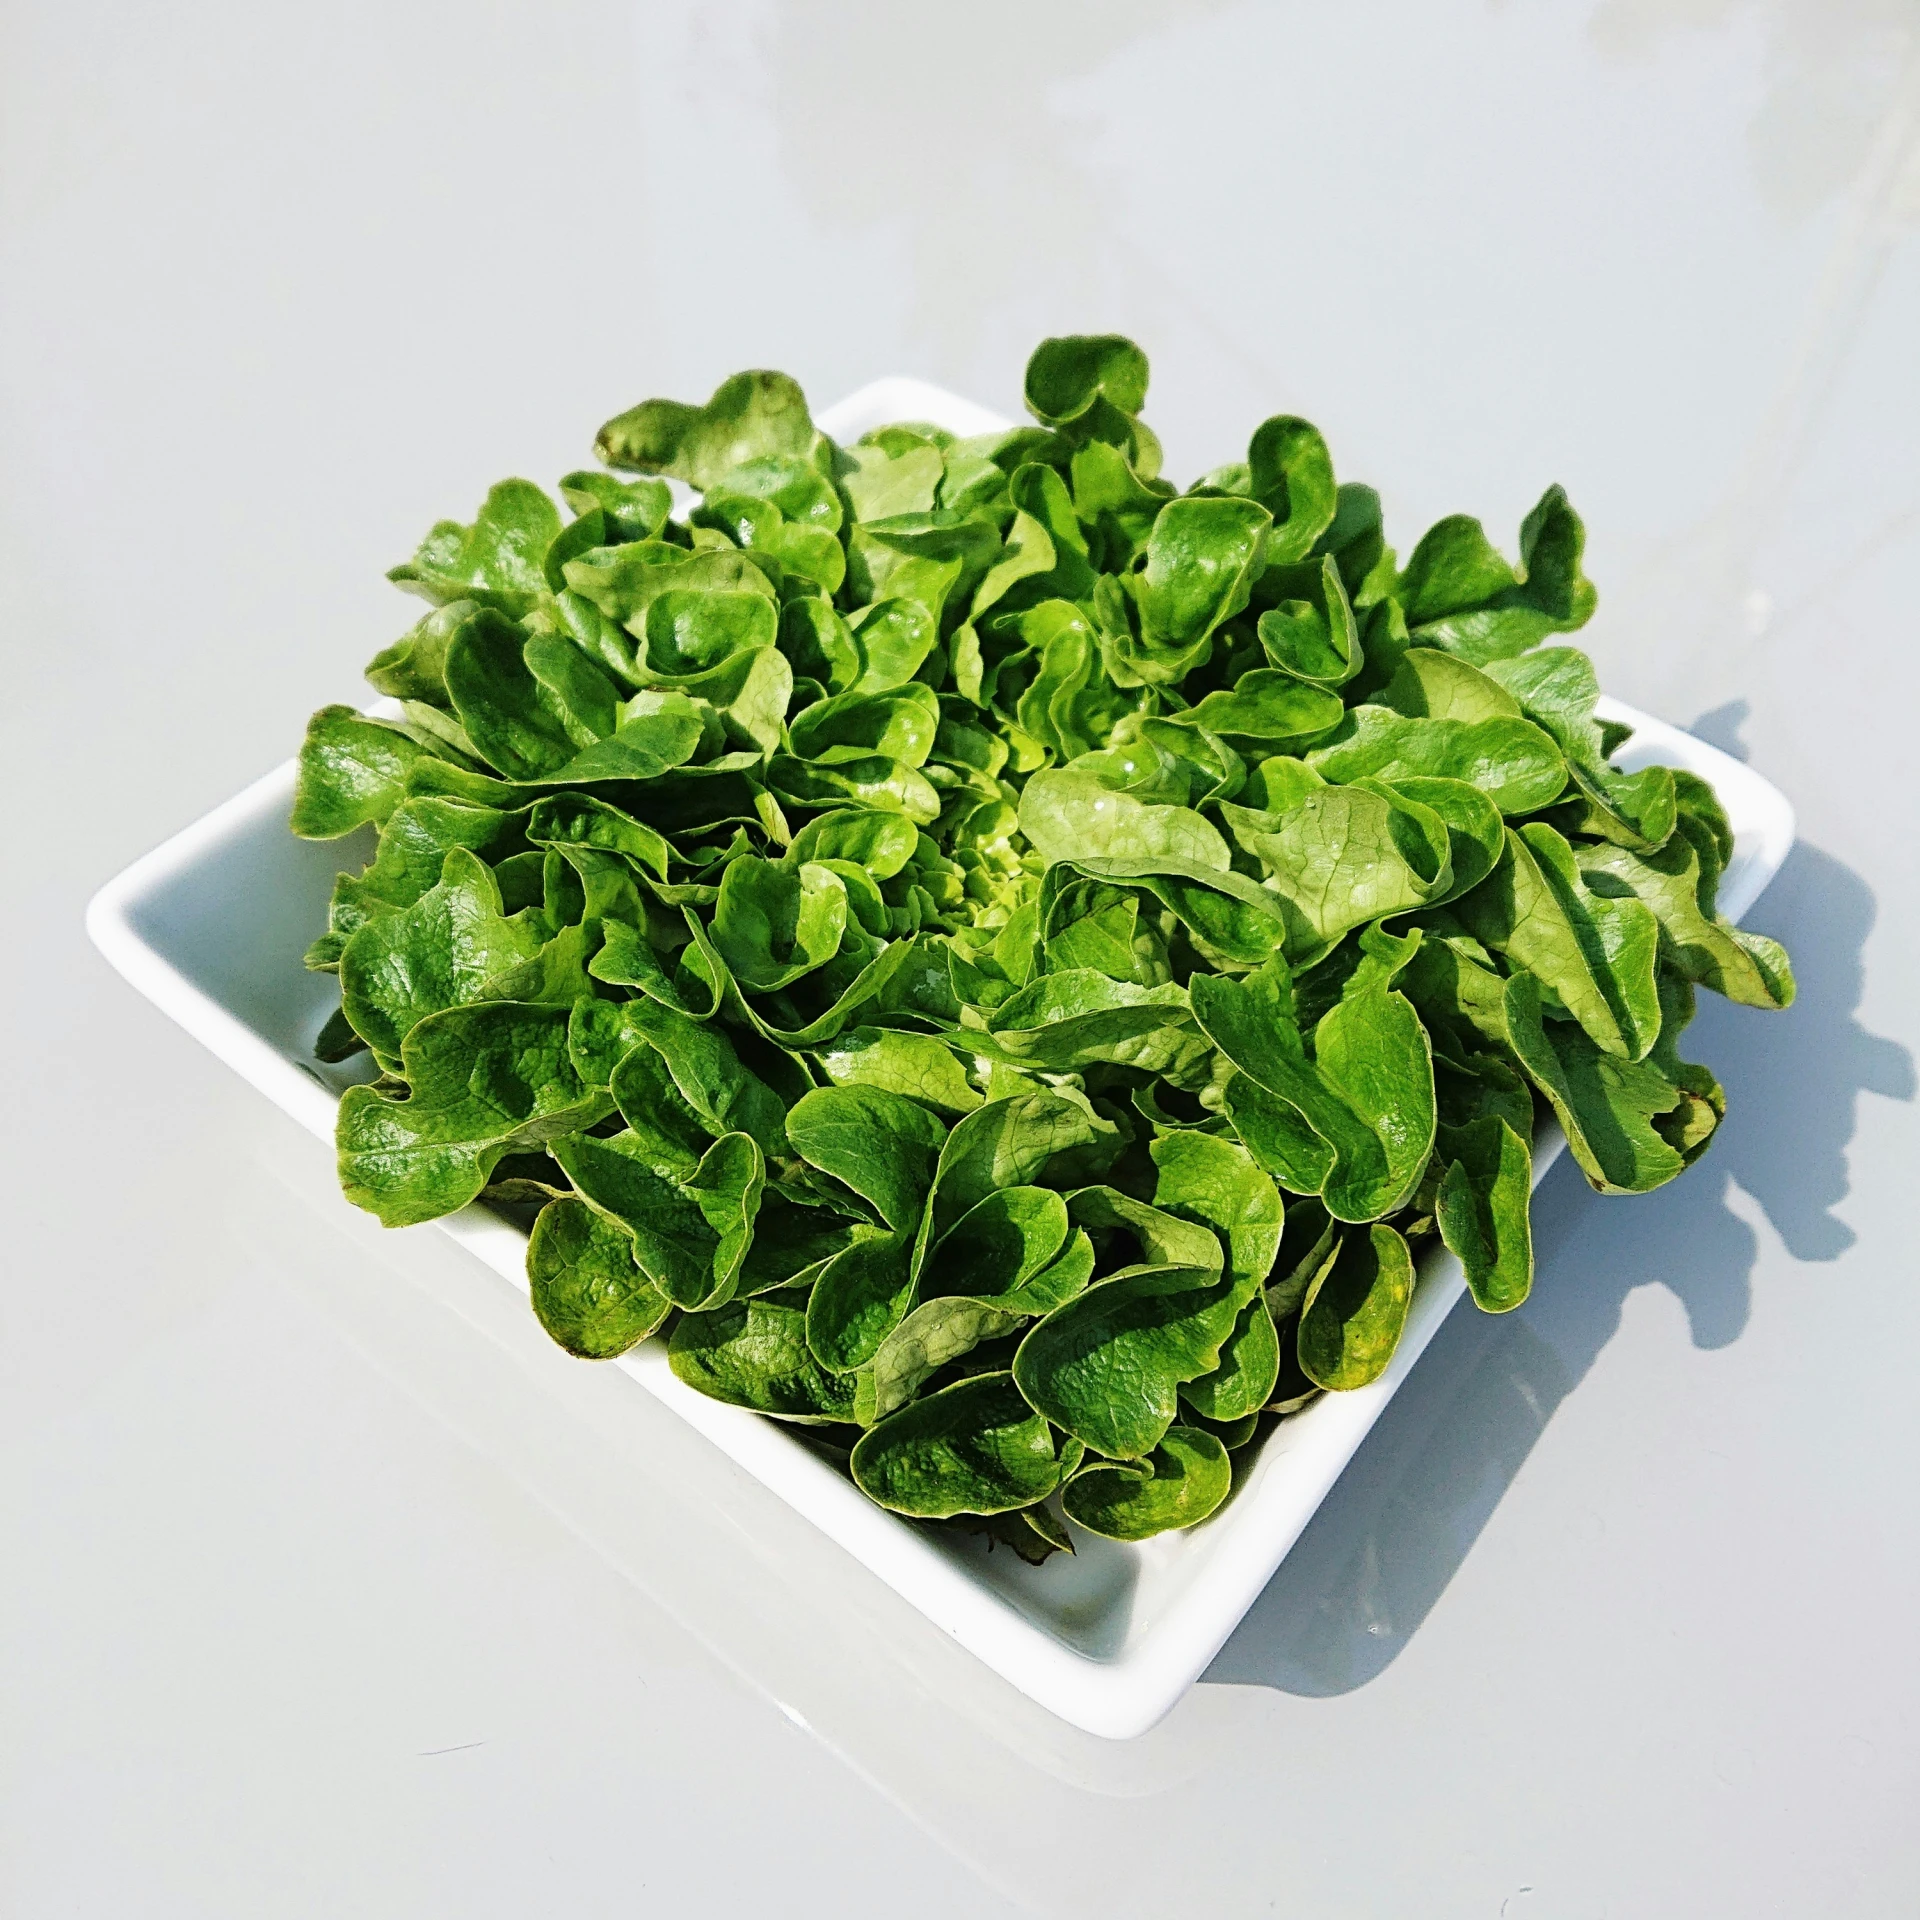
(1127,1232)
(881,483)
(497,561)
(1269,711)
(1308,629)
(1476,837)
(622,583)
(1339,857)
(1512,761)
(900,723)
(1482,1210)
(1202,557)
(892,639)
(751,417)
(797,486)
(629,509)
(1076,816)
(1355,1310)
(1596,953)
(1709,950)
(924,1342)
(1066,1021)
(915,1064)
(875,780)
(883,843)
(1460,594)
(1204,1178)
(1431,685)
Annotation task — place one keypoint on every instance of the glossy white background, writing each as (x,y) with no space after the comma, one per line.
(326,1586)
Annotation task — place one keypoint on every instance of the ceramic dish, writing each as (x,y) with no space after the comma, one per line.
(212,925)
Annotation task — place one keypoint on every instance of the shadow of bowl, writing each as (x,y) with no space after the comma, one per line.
(1405,1515)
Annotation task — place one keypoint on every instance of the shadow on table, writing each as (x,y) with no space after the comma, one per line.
(1408,1509)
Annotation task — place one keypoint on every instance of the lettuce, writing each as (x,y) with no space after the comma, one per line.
(994,957)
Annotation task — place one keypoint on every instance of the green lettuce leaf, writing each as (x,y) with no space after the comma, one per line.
(481,1081)
(1182,1481)
(973,1447)
(992,953)
(1107,1367)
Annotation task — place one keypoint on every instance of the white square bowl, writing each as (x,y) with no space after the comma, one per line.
(212,925)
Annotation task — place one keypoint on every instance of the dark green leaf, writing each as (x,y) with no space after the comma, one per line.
(629,509)
(774,923)
(1066,376)
(973,1447)
(861,1295)
(1607,1104)
(451,946)
(1249,1366)
(998,1245)
(1109,1364)
(1183,1480)
(690,1226)
(1308,628)
(881,1145)
(587,1291)
(754,1354)
(1367,1094)
(483,1081)
(1290,473)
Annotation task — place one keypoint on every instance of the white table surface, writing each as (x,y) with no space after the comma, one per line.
(327,1587)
